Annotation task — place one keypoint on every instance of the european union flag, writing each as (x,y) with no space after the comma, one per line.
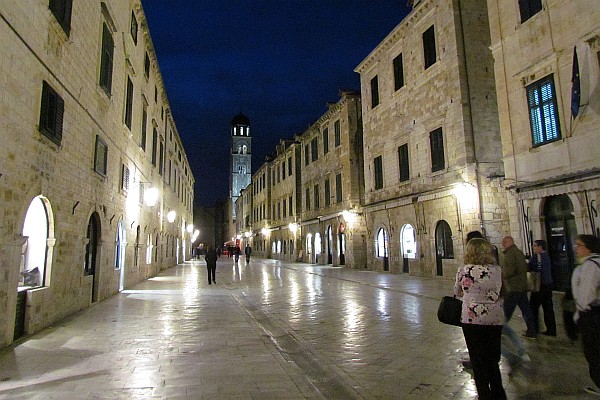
(576,86)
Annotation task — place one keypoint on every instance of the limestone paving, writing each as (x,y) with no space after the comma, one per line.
(273,330)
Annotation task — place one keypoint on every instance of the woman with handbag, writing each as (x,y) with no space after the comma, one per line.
(540,262)
(479,283)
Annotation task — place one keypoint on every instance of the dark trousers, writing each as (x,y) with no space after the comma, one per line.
(212,270)
(514,299)
(543,298)
(483,342)
(589,325)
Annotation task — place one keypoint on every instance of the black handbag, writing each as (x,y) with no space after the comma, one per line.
(450,310)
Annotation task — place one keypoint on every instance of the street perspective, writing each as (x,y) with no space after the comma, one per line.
(300,199)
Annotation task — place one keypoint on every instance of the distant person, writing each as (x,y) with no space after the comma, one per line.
(248,252)
(541,262)
(479,283)
(237,253)
(585,283)
(514,276)
(211,264)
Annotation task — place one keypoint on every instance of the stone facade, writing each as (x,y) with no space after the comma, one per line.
(432,155)
(86,131)
(552,167)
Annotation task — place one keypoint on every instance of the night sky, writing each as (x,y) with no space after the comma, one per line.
(277,61)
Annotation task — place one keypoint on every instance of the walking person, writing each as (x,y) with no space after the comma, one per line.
(479,283)
(248,252)
(514,277)
(585,283)
(541,262)
(237,253)
(211,264)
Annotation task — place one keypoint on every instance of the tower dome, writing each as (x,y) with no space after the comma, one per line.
(240,119)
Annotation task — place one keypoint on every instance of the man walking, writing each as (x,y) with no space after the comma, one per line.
(514,277)
(248,252)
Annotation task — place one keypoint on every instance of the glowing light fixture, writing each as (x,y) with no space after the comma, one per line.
(265,231)
(171,216)
(190,228)
(293,227)
(151,196)
(247,234)
(466,194)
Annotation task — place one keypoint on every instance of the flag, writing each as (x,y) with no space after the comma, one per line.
(575,86)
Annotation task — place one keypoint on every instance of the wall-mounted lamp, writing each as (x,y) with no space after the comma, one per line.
(293,227)
(171,216)
(265,231)
(150,196)
(247,234)
(190,228)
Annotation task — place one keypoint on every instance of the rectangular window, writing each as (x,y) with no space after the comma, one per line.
(307,197)
(338,188)
(403,162)
(429,47)
(314,150)
(327,193)
(147,68)
(398,72)
(436,142)
(374,92)
(283,170)
(161,158)
(154,145)
(106,61)
(316,197)
(100,156)
(284,208)
(52,111)
(124,178)
(144,127)
(134,27)
(337,129)
(325,141)
(543,111)
(528,8)
(306,155)
(129,103)
(291,208)
(378,170)
(278,210)
(290,166)
(61,9)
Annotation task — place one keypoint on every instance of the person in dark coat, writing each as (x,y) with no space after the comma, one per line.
(238,252)
(248,252)
(211,264)
(541,263)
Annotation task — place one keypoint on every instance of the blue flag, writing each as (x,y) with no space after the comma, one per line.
(576,86)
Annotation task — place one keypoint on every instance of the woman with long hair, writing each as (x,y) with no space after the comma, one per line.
(479,283)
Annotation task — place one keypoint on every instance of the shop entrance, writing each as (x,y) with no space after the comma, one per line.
(561,232)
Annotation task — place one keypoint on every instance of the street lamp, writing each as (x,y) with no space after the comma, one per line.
(150,196)
(171,216)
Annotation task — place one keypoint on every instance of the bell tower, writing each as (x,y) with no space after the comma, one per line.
(240,166)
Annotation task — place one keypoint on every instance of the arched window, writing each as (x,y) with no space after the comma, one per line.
(120,243)
(149,249)
(317,243)
(91,248)
(408,242)
(309,244)
(443,240)
(381,243)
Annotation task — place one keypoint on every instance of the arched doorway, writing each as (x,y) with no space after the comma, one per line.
(561,232)
(329,245)
(91,252)
(381,247)
(444,248)
(317,246)
(120,244)
(408,246)
(35,250)
(309,247)
(342,244)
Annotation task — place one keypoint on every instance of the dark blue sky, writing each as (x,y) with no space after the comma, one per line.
(277,61)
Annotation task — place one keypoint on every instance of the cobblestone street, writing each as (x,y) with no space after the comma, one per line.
(273,330)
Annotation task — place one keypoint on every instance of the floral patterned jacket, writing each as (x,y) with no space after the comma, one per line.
(479,286)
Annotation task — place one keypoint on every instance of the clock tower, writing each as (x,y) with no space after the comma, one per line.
(240,165)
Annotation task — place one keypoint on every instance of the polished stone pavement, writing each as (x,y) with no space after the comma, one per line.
(273,330)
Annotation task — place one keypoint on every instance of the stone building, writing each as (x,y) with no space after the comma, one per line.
(549,120)
(261,209)
(87,137)
(432,154)
(281,233)
(332,186)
